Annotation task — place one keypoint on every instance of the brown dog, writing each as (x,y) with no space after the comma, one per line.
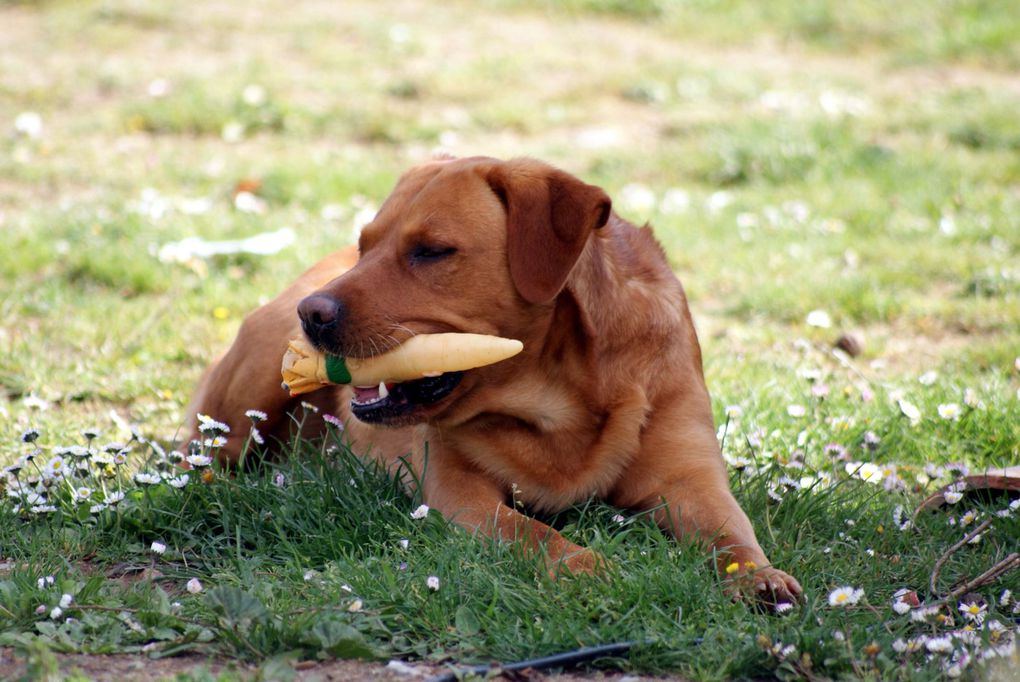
(608,397)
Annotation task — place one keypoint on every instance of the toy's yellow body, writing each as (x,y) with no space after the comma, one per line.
(306,369)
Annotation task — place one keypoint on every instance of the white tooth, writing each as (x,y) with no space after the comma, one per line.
(429,375)
(383,393)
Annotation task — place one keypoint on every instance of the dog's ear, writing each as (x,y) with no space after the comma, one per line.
(550,215)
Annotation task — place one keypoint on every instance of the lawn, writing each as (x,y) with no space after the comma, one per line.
(815,170)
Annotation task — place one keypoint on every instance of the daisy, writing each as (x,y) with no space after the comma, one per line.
(420,513)
(65,600)
(178,481)
(198,461)
(256,415)
(194,586)
(939,645)
(973,611)
(796,410)
(157,547)
(949,411)
(433,583)
(844,596)
(30,436)
(910,411)
(145,478)
(355,606)
(333,420)
(209,425)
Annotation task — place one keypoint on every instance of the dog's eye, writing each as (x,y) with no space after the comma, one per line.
(425,253)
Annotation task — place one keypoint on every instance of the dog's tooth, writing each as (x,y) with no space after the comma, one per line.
(383,393)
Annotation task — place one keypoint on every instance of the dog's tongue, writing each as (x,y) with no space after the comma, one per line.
(368,394)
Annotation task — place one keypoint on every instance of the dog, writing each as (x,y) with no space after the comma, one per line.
(607,399)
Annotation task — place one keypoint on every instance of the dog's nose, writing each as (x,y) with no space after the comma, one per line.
(321,316)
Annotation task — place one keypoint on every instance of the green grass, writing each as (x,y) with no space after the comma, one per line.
(854,158)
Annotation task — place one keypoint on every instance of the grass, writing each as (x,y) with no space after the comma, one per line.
(792,157)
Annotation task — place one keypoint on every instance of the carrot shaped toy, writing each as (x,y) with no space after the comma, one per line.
(306,369)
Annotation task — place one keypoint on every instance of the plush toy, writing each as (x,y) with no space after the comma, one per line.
(306,369)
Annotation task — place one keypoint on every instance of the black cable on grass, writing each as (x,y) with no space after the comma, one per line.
(569,659)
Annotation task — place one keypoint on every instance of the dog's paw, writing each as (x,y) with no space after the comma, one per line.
(768,587)
(581,562)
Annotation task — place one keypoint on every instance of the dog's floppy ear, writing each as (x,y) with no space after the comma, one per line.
(549,217)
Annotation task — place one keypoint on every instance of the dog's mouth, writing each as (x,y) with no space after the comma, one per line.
(399,402)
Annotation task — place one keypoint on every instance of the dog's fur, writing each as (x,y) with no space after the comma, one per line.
(608,397)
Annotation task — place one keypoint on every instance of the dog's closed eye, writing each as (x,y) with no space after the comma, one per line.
(423,254)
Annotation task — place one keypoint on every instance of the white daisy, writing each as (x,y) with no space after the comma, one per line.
(845,596)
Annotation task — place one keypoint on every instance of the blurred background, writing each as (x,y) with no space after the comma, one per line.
(813,168)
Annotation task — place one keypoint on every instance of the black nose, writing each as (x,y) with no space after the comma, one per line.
(321,318)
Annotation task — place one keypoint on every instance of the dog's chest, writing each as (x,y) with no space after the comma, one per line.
(566,454)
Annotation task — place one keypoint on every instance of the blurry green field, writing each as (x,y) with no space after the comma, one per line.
(862,159)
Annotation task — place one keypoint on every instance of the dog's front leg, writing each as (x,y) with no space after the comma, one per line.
(680,464)
(468,497)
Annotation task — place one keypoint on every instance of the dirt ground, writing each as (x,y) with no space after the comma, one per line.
(130,668)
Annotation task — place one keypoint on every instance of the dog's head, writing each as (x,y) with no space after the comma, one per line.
(466,245)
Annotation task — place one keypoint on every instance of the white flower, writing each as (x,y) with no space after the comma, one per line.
(818,318)
(619,518)
(910,411)
(209,425)
(796,410)
(866,471)
(160,87)
(29,124)
(146,478)
(404,543)
(973,611)
(355,606)
(65,600)
(928,378)
(55,467)
(952,497)
(899,646)
(157,547)
(844,596)
(783,607)
(194,586)
(198,460)
(734,411)
(420,513)
(57,612)
(42,583)
(950,411)
(82,494)
(971,399)
(939,645)
(919,615)
(232,131)
(432,582)
(254,95)
(1005,597)
(900,606)
(256,415)
(40,610)
(114,497)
